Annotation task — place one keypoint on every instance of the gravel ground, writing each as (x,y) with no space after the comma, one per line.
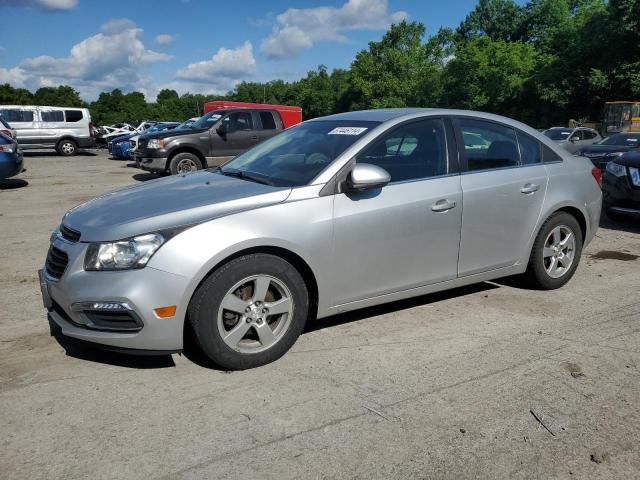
(442,386)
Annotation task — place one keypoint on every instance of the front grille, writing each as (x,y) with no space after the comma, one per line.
(56,262)
(69,234)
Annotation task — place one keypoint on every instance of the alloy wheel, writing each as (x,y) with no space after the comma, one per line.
(559,251)
(255,314)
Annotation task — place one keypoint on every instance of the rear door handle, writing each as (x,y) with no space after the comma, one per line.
(530,188)
(443,205)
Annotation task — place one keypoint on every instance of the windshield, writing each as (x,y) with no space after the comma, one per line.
(558,133)
(297,155)
(207,120)
(186,124)
(627,139)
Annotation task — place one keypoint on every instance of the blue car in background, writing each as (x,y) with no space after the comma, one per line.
(11,162)
(121,145)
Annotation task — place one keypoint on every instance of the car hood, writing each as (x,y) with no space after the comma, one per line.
(168,203)
(173,133)
(602,149)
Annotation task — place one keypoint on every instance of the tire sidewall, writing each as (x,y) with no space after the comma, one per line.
(203,309)
(536,264)
(175,160)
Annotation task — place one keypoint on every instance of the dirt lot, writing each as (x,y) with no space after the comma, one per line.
(437,387)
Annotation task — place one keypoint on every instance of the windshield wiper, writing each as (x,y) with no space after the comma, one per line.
(250,176)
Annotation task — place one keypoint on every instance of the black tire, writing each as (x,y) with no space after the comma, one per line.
(536,274)
(67,148)
(181,161)
(205,304)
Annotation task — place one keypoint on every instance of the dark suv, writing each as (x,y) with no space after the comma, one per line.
(210,141)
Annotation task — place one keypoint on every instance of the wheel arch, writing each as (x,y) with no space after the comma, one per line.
(66,137)
(186,149)
(293,258)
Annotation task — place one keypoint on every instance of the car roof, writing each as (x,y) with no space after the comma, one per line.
(396,115)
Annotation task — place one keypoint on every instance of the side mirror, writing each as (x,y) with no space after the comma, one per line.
(222,129)
(365,176)
(574,139)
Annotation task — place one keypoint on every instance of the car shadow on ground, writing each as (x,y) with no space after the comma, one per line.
(85,351)
(52,153)
(630,225)
(145,177)
(193,353)
(13,183)
(397,306)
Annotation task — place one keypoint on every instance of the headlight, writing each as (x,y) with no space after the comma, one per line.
(616,169)
(122,255)
(156,143)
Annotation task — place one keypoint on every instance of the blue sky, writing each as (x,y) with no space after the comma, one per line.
(193,45)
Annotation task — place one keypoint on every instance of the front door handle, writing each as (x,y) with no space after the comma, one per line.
(530,188)
(254,137)
(443,205)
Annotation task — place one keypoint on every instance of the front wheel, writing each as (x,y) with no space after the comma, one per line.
(184,163)
(556,252)
(249,312)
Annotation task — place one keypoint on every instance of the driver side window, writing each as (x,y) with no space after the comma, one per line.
(238,121)
(412,151)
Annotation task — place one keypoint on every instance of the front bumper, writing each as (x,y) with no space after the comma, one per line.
(141,290)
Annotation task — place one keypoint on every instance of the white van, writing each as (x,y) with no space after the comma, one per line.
(64,129)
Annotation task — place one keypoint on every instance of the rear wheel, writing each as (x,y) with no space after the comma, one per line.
(250,312)
(556,252)
(67,148)
(184,163)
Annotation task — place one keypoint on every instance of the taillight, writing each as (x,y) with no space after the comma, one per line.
(8,148)
(7,133)
(92,132)
(597,175)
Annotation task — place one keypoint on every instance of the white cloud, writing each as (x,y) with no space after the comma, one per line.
(165,39)
(298,29)
(222,71)
(110,59)
(48,5)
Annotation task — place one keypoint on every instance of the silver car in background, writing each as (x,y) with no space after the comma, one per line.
(573,139)
(332,215)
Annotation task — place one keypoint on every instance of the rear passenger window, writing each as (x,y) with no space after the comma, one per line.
(15,115)
(52,116)
(488,145)
(588,134)
(529,149)
(549,156)
(412,151)
(73,115)
(268,123)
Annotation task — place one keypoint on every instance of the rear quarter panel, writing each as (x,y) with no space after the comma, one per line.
(571,184)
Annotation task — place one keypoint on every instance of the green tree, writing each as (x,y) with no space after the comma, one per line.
(395,72)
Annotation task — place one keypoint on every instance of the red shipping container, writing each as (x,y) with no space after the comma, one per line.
(290,115)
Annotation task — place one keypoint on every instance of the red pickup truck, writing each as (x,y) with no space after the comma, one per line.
(289,115)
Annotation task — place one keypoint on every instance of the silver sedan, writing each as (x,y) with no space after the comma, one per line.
(332,215)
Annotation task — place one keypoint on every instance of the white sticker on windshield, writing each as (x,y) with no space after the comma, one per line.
(347,131)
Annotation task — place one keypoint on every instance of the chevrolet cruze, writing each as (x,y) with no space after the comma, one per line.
(335,214)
